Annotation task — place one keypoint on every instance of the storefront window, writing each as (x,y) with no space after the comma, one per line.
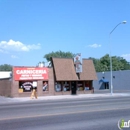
(80,86)
(87,86)
(25,86)
(58,86)
(45,86)
(66,86)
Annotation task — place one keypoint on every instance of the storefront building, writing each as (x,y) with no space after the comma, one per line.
(60,79)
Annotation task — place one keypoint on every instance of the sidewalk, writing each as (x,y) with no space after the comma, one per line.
(4,100)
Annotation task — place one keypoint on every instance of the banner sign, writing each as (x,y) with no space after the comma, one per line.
(78,63)
(24,73)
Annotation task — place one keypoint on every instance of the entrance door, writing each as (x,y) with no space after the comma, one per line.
(73,88)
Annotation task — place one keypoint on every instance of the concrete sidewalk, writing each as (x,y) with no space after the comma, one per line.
(6,100)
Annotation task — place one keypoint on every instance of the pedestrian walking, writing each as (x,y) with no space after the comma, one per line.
(34,91)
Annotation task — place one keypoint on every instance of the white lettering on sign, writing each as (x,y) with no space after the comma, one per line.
(22,78)
(31,72)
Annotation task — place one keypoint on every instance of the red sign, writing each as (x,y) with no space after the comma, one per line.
(30,73)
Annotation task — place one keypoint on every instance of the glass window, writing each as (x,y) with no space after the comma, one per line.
(66,86)
(87,86)
(25,86)
(80,86)
(45,86)
(58,86)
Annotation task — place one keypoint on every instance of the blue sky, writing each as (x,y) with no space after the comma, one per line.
(29,29)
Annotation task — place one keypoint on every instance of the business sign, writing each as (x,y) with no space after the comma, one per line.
(78,63)
(30,73)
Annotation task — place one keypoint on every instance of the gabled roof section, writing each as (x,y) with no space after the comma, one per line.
(88,70)
(64,69)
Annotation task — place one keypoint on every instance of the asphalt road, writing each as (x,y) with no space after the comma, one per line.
(70,114)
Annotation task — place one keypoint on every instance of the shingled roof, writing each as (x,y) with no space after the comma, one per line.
(64,69)
(88,70)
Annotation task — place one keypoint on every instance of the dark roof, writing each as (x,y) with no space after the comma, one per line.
(88,70)
(64,69)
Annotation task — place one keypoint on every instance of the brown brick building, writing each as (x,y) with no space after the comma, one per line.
(60,79)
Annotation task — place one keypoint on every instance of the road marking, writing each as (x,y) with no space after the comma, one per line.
(85,105)
(97,104)
(51,103)
(67,113)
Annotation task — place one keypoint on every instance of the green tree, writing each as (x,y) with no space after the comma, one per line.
(117,64)
(59,54)
(5,67)
(97,64)
(103,64)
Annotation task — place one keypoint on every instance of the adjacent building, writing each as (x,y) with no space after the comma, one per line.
(120,80)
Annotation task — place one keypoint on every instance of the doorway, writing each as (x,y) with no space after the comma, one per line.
(73,88)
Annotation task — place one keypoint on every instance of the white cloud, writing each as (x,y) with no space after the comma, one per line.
(94,45)
(14,57)
(3,51)
(126,56)
(17,46)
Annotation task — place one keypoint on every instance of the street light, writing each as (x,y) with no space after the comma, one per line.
(123,22)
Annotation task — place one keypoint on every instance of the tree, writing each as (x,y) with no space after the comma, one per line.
(59,54)
(97,64)
(126,65)
(5,67)
(103,64)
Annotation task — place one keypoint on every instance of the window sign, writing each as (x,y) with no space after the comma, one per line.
(25,86)
(58,86)
(45,86)
(34,83)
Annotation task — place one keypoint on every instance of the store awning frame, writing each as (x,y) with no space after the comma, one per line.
(103,81)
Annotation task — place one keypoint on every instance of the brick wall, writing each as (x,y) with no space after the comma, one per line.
(5,87)
(40,92)
(14,88)
(50,91)
(39,88)
(51,82)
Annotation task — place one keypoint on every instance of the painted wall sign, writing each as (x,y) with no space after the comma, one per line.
(35,73)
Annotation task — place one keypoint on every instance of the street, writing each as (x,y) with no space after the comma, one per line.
(67,114)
